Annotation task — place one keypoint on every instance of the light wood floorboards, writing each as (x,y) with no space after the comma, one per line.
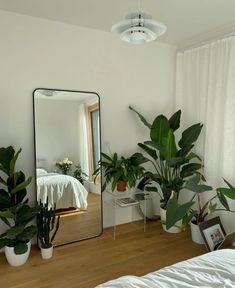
(91,262)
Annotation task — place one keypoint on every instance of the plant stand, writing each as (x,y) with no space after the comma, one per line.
(123,200)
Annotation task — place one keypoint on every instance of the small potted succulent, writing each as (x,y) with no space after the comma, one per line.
(48,225)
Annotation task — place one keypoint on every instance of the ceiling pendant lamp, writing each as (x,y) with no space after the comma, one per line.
(138,28)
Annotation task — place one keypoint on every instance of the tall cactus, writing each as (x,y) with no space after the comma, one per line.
(47,224)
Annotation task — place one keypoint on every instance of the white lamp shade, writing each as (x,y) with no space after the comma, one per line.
(138,28)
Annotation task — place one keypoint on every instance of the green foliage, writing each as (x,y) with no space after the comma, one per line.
(47,224)
(175,212)
(172,165)
(117,168)
(199,214)
(79,174)
(14,210)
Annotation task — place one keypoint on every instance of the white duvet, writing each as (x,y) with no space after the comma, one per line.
(212,270)
(66,191)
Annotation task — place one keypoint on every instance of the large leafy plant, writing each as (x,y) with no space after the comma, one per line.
(172,163)
(14,209)
(119,168)
(196,209)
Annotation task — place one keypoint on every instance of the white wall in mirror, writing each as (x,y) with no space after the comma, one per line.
(42,53)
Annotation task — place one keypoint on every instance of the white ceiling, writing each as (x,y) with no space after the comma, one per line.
(188,21)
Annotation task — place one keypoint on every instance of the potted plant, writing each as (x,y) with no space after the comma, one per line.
(172,164)
(194,212)
(14,209)
(48,225)
(120,172)
(79,174)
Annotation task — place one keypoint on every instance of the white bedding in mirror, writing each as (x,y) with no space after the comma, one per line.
(212,270)
(64,190)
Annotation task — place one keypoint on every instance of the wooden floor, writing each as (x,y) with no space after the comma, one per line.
(91,262)
(75,227)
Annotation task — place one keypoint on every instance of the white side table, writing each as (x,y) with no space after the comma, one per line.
(119,200)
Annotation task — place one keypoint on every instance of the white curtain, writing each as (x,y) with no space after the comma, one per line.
(82,139)
(205,92)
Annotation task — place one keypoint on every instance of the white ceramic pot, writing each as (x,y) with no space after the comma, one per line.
(196,234)
(175,229)
(47,252)
(17,259)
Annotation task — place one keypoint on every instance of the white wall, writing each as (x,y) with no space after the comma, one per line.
(40,53)
(56,131)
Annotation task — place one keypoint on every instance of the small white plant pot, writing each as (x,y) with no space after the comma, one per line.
(47,253)
(17,259)
(196,234)
(175,229)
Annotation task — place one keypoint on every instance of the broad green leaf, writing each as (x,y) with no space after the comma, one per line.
(176,212)
(144,121)
(5,242)
(21,186)
(228,192)
(138,159)
(223,200)
(13,161)
(192,167)
(169,147)
(175,161)
(184,151)
(153,144)
(149,151)
(193,155)
(14,232)
(20,248)
(28,233)
(5,200)
(192,184)
(159,129)
(6,155)
(174,121)
(190,135)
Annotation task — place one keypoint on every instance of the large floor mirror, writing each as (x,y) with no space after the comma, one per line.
(67,151)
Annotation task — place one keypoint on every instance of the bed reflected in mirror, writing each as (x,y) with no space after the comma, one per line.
(67,151)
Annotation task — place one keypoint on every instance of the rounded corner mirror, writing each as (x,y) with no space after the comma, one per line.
(67,151)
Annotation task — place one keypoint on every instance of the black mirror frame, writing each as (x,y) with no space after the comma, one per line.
(35,176)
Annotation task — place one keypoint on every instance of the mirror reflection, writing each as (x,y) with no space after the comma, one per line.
(67,148)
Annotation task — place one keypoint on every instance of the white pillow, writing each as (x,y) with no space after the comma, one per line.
(41,172)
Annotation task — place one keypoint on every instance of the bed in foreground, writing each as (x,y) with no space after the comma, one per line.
(212,270)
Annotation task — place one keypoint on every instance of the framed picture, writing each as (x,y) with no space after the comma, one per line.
(213,233)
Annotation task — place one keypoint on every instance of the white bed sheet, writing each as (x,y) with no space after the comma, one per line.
(212,270)
(64,190)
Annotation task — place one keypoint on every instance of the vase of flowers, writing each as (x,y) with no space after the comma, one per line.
(64,165)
